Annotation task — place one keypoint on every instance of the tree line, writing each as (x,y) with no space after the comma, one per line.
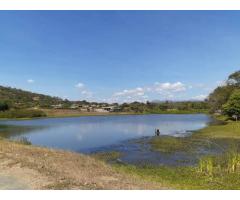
(225,99)
(165,107)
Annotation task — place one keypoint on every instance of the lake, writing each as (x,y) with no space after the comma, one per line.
(96,133)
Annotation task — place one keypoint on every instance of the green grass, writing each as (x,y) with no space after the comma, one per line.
(169,144)
(183,177)
(107,156)
(229,130)
(228,133)
(213,172)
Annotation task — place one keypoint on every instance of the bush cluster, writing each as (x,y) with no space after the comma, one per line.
(22,114)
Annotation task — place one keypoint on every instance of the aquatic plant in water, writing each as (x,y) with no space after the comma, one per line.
(206,165)
(24,140)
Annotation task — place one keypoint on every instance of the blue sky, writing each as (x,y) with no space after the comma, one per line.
(119,55)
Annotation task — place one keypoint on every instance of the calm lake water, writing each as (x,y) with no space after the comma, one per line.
(86,134)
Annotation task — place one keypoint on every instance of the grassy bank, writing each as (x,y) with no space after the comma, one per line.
(184,177)
(52,113)
(77,113)
(175,111)
(61,113)
(228,130)
(213,171)
(65,170)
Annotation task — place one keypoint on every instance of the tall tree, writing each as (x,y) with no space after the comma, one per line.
(232,107)
(234,79)
(219,97)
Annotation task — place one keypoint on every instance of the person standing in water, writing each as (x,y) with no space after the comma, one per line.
(157,132)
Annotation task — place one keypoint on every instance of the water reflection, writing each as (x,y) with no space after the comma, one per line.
(10,131)
(85,133)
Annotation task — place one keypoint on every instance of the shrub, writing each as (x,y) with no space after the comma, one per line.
(22,114)
(232,107)
(4,106)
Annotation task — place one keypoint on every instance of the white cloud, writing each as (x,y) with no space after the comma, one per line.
(163,91)
(30,81)
(86,93)
(129,95)
(83,90)
(133,92)
(169,87)
(167,90)
(80,85)
(200,97)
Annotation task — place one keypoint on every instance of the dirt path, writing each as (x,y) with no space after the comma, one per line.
(12,183)
(28,167)
(14,176)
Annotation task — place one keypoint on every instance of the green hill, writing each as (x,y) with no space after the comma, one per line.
(18,98)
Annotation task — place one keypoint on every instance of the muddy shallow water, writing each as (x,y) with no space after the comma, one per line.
(140,152)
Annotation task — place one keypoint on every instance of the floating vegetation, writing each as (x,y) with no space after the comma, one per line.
(170,144)
(108,156)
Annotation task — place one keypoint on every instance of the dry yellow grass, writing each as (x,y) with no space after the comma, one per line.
(42,168)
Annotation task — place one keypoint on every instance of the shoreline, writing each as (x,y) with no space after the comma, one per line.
(102,114)
(45,165)
(35,167)
(213,171)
